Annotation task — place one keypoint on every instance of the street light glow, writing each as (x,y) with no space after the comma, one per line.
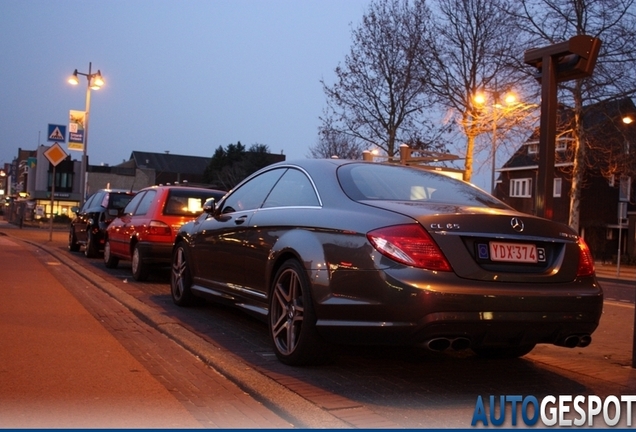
(628,120)
(480,99)
(73,79)
(97,81)
(510,99)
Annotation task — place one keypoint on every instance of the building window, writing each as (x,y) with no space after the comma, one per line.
(520,188)
(63,181)
(561,145)
(556,189)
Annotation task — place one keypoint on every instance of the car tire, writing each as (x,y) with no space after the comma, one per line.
(140,270)
(503,352)
(291,319)
(180,277)
(110,261)
(90,250)
(73,245)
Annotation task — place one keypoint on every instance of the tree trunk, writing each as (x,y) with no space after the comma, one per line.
(468,161)
(578,168)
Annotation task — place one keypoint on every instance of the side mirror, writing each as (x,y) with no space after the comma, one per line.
(75,209)
(209,206)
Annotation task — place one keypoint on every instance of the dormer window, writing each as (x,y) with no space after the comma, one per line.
(561,145)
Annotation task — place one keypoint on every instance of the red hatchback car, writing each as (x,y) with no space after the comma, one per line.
(146,230)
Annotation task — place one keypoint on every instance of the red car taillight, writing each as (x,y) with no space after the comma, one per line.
(586,262)
(410,245)
(159,228)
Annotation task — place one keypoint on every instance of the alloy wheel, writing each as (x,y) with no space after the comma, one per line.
(287,314)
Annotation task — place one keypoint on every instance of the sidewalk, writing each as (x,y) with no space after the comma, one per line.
(60,368)
(623,273)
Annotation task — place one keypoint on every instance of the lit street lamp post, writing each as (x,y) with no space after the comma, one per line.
(510,100)
(95,82)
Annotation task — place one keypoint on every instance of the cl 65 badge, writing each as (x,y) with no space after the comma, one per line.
(448,226)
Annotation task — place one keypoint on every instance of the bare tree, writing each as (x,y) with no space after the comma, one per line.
(473,50)
(334,144)
(380,98)
(612,21)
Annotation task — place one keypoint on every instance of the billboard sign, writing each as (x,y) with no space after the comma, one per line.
(76,128)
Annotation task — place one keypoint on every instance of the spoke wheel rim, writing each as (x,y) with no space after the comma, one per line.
(287,312)
(179,268)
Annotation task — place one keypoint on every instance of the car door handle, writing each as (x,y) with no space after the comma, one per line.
(240,220)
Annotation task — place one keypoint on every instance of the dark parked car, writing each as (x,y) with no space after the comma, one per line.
(353,252)
(90,222)
(145,232)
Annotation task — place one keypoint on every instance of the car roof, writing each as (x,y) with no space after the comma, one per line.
(114,191)
(180,186)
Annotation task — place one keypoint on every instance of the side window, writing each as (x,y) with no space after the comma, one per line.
(292,190)
(252,194)
(88,202)
(145,202)
(119,201)
(104,200)
(132,205)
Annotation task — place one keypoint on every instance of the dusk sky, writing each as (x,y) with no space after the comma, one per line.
(181,76)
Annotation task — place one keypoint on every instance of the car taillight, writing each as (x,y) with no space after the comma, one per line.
(159,228)
(410,245)
(586,262)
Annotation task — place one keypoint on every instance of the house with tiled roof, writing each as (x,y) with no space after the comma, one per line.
(172,168)
(610,170)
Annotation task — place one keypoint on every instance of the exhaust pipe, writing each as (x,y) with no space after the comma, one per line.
(574,341)
(443,343)
(585,340)
(571,341)
(438,344)
(460,344)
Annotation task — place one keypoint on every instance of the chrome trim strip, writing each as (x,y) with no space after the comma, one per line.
(499,236)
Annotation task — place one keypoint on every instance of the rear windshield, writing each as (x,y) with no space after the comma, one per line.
(368,181)
(188,202)
(119,200)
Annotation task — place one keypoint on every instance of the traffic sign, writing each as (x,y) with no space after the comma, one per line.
(57,133)
(55,154)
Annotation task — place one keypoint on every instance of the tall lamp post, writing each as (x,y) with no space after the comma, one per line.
(95,82)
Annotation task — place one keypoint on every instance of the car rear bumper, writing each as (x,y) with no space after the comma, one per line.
(155,253)
(392,311)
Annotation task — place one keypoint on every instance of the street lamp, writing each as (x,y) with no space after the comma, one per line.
(510,100)
(95,82)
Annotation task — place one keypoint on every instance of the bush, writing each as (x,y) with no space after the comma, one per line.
(61,219)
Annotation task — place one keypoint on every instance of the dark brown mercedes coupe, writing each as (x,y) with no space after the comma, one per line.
(334,251)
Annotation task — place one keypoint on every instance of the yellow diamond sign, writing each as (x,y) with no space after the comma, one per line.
(55,154)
